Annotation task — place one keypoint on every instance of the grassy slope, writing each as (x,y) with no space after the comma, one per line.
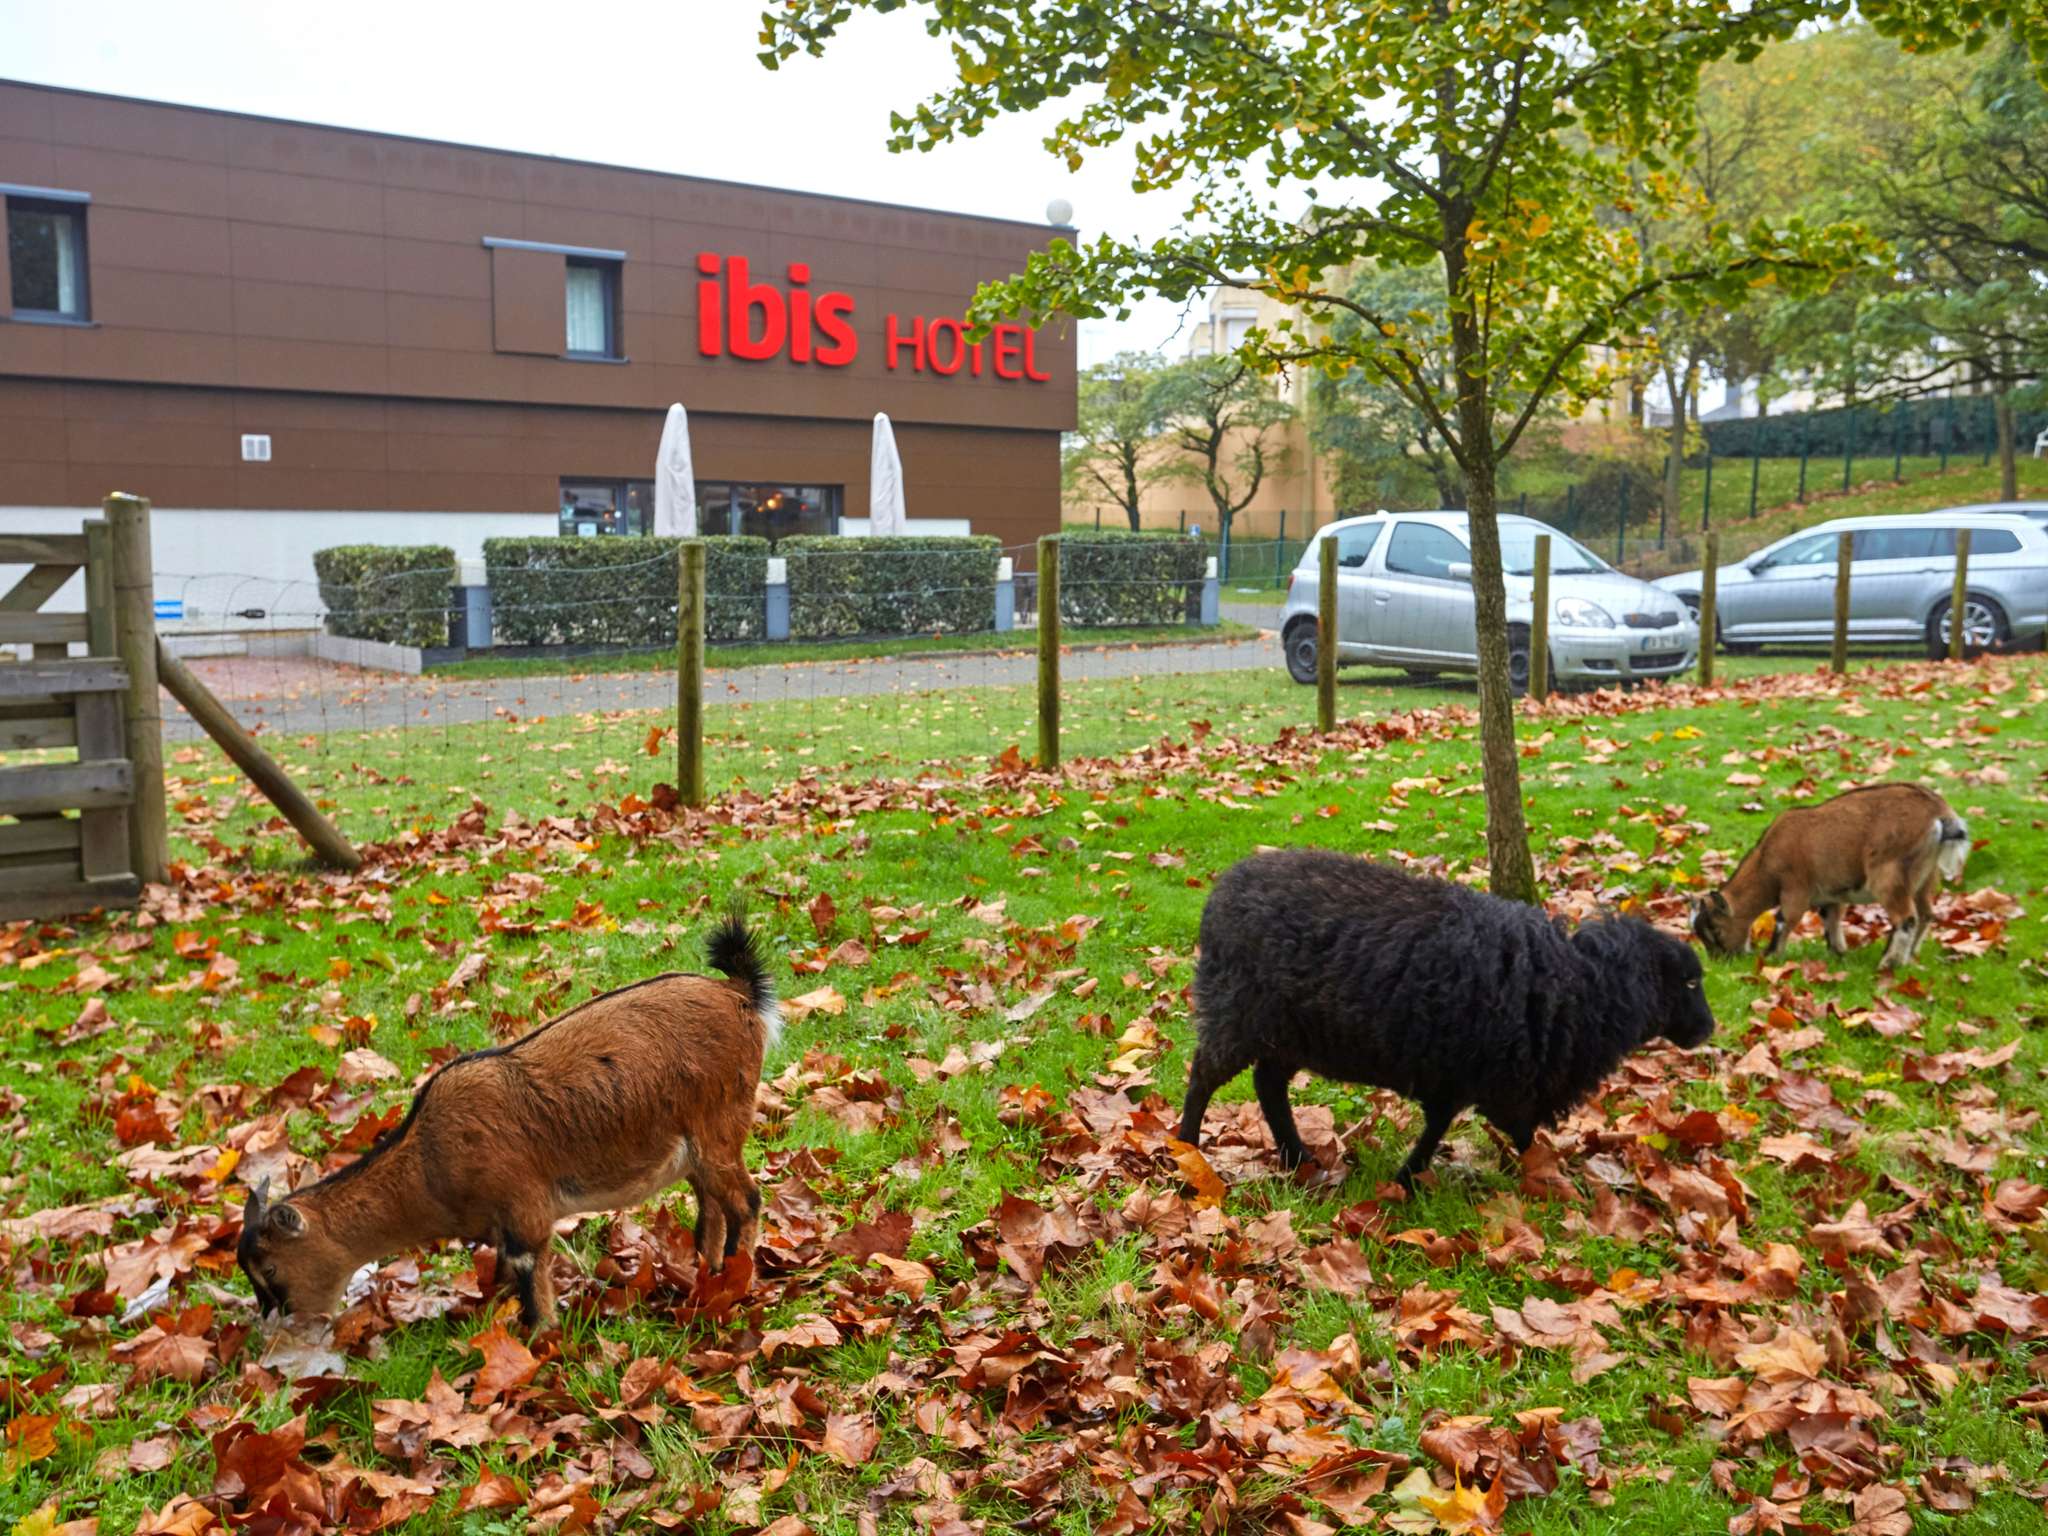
(1778,514)
(1592,780)
(719,658)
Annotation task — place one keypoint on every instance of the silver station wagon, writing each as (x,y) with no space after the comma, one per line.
(1902,571)
(1404,599)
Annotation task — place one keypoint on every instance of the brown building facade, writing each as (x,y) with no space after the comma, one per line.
(305,335)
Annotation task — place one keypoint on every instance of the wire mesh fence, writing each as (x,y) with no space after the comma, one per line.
(1747,469)
(536,734)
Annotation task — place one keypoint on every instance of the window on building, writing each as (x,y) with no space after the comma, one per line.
(593,305)
(771,512)
(596,507)
(1423,549)
(46,259)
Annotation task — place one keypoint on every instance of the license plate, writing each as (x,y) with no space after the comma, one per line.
(1672,642)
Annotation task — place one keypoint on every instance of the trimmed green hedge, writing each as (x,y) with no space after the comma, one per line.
(619,591)
(1120,577)
(890,586)
(399,593)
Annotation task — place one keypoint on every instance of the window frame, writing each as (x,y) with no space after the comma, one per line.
(621,489)
(1940,544)
(1387,558)
(72,206)
(1783,560)
(1370,532)
(1979,535)
(727,493)
(612,274)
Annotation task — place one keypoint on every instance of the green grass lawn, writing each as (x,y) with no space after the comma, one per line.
(382,783)
(993,1293)
(722,658)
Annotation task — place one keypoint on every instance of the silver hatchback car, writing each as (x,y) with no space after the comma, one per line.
(1902,571)
(1404,599)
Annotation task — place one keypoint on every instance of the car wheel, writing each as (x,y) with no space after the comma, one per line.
(1984,627)
(1518,662)
(1299,644)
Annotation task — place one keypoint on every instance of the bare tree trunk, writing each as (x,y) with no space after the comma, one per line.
(2008,448)
(1674,458)
(1510,870)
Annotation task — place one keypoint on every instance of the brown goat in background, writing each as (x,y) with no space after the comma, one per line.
(1888,843)
(598,1109)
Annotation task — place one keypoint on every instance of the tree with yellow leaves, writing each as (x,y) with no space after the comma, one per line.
(1507,143)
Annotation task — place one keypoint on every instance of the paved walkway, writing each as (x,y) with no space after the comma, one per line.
(1260,613)
(298,696)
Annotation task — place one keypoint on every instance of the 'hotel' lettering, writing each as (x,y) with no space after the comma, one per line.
(741,317)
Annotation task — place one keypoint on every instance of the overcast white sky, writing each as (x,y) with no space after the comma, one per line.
(670,86)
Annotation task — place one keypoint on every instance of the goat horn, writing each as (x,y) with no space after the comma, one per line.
(252,1209)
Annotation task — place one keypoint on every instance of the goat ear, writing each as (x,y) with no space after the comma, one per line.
(287,1220)
(252,1208)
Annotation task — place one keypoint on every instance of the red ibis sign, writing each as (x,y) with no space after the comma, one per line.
(739,316)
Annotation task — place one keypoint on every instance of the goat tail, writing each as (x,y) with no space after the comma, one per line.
(1952,845)
(732,950)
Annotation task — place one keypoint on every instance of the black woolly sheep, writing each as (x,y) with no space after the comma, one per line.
(1318,961)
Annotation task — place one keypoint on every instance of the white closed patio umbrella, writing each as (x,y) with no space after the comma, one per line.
(675,480)
(886,517)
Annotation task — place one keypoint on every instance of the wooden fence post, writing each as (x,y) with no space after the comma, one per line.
(1326,636)
(1049,651)
(1539,622)
(321,835)
(143,718)
(690,672)
(1960,597)
(1710,575)
(1838,657)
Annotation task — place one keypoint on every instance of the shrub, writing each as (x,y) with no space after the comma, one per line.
(620,592)
(890,586)
(1915,427)
(399,593)
(1114,578)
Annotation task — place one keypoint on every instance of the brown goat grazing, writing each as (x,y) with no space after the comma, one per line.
(1888,843)
(600,1108)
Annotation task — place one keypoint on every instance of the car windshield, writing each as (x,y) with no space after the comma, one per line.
(1518,552)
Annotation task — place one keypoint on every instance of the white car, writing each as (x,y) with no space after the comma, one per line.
(1404,599)
(1902,571)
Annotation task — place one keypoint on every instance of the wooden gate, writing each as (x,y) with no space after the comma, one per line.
(51,860)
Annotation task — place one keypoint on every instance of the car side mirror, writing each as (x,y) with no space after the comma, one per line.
(1458,570)
(1757,566)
